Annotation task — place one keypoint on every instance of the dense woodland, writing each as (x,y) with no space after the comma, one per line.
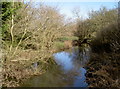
(31,35)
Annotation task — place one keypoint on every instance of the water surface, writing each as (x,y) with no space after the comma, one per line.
(69,71)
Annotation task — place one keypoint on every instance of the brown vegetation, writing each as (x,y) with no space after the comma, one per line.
(29,37)
(103,70)
(68,44)
(32,34)
(104,34)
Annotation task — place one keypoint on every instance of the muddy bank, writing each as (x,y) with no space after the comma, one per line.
(103,70)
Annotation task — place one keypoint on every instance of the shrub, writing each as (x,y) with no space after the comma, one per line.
(107,39)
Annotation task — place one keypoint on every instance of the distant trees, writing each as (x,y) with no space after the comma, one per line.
(98,20)
(102,18)
(107,31)
(83,31)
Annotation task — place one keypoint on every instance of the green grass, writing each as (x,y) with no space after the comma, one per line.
(59,45)
(65,38)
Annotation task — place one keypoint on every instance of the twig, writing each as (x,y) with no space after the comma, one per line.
(19,43)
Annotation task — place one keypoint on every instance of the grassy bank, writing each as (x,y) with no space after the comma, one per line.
(64,42)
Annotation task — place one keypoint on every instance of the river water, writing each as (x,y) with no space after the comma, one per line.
(69,72)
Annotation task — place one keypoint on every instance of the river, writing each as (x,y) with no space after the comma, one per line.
(69,72)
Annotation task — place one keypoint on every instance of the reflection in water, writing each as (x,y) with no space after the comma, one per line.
(81,56)
(80,79)
(52,78)
(68,73)
(64,59)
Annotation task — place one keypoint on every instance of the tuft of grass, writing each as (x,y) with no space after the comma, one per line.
(66,38)
(59,45)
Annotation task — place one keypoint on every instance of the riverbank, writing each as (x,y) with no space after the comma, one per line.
(14,74)
(18,70)
(67,73)
(64,43)
(103,70)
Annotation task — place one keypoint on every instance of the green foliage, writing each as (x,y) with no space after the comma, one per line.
(59,45)
(8,9)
